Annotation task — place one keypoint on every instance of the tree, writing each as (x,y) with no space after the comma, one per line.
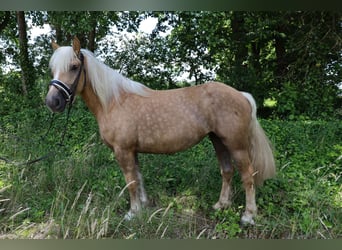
(292,57)
(188,42)
(311,64)
(26,65)
(16,52)
(145,59)
(5,18)
(89,26)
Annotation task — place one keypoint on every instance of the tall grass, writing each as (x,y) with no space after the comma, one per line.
(78,191)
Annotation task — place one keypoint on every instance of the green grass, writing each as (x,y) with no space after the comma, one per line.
(79,191)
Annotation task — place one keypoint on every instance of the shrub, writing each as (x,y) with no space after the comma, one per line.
(78,191)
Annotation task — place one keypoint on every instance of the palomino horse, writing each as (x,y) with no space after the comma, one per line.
(134,119)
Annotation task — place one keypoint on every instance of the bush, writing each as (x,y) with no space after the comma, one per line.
(78,191)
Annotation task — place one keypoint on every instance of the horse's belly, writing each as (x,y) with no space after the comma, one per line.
(169,141)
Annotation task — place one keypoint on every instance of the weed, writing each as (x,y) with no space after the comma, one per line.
(79,190)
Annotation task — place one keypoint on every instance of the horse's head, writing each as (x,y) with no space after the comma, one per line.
(67,64)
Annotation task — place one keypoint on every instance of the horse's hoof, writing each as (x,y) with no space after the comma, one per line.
(220,205)
(129,216)
(247,220)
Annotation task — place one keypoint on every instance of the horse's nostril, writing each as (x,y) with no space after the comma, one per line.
(55,103)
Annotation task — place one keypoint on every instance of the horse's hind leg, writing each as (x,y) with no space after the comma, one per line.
(227,171)
(245,168)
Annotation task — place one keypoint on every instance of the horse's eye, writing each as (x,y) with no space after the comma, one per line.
(73,67)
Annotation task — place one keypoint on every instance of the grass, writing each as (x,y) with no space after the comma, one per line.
(79,191)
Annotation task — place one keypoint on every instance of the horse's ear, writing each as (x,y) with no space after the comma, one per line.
(54,45)
(76,45)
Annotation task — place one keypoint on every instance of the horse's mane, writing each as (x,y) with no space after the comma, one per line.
(106,82)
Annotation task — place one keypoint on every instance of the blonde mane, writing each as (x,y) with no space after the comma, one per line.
(107,83)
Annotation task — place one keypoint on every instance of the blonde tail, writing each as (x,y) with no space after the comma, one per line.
(260,151)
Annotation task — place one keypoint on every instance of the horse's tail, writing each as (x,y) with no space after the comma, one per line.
(260,149)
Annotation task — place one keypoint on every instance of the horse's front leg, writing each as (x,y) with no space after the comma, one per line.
(128,162)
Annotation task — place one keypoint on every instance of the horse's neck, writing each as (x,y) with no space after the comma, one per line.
(92,101)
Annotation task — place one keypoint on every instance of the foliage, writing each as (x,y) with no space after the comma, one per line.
(266,53)
(157,71)
(291,57)
(78,190)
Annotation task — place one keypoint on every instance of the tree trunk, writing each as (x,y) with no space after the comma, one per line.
(59,34)
(27,70)
(281,56)
(239,36)
(240,50)
(92,32)
(256,56)
(5,20)
(91,43)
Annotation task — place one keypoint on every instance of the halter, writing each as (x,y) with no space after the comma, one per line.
(69,93)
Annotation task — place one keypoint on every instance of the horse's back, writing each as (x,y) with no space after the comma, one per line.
(173,120)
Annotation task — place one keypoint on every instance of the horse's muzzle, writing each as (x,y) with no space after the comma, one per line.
(56,102)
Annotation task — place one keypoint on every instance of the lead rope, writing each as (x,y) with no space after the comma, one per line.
(60,144)
(66,126)
(49,154)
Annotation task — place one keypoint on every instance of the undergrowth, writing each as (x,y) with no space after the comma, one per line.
(78,191)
